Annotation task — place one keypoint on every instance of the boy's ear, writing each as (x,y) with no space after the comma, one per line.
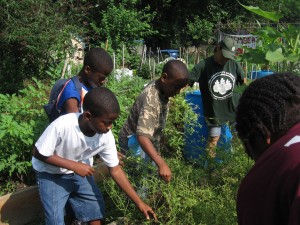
(87,69)
(87,115)
(164,77)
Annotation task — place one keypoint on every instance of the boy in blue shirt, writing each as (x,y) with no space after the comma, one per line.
(97,65)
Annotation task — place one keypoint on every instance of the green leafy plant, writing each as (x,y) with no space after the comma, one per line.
(121,26)
(144,71)
(126,89)
(21,120)
(206,27)
(34,35)
(279,44)
(180,119)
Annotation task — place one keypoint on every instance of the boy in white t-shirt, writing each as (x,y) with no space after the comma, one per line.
(61,160)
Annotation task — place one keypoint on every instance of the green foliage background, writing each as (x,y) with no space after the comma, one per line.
(35,38)
(35,35)
(196,195)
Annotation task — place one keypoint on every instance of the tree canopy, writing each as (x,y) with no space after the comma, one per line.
(35,34)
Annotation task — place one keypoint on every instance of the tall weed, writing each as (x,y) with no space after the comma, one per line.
(196,195)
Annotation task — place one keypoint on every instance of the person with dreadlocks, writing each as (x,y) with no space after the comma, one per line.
(268,124)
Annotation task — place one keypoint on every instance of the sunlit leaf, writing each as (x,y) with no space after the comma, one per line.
(2,134)
(293,57)
(274,16)
(275,56)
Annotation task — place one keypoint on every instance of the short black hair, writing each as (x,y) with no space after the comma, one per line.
(98,60)
(100,101)
(176,68)
(270,105)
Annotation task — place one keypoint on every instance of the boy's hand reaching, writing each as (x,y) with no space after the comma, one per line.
(83,169)
(147,211)
(165,172)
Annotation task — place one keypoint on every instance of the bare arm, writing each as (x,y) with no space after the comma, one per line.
(121,179)
(71,105)
(147,146)
(78,167)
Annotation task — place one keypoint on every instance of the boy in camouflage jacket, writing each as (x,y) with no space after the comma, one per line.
(148,114)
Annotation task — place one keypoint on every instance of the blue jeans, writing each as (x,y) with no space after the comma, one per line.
(82,194)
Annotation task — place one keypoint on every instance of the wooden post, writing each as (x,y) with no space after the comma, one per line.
(149,58)
(114,59)
(65,67)
(142,59)
(106,45)
(187,56)
(153,74)
(123,57)
(179,52)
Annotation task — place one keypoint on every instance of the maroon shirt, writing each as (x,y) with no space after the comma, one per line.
(270,192)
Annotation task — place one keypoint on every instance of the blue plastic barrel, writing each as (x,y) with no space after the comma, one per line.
(260,73)
(195,142)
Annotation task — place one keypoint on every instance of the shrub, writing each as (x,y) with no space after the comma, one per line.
(34,35)
(144,71)
(22,119)
(126,90)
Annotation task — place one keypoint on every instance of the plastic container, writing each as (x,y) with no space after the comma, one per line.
(195,142)
(260,73)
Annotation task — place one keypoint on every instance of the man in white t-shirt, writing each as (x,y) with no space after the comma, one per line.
(61,160)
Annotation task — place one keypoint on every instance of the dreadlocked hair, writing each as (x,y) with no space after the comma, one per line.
(269,107)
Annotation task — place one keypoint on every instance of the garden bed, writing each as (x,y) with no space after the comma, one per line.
(24,206)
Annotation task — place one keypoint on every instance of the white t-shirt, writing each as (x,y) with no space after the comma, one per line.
(64,138)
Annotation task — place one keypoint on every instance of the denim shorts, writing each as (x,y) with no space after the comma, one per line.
(82,195)
(214,131)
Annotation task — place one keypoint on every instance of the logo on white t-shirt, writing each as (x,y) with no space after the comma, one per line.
(221,85)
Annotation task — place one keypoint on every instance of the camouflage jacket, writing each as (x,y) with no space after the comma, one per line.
(148,115)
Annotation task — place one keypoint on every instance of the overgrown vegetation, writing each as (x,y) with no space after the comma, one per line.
(21,121)
(35,39)
(36,34)
(196,195)
(278,48)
